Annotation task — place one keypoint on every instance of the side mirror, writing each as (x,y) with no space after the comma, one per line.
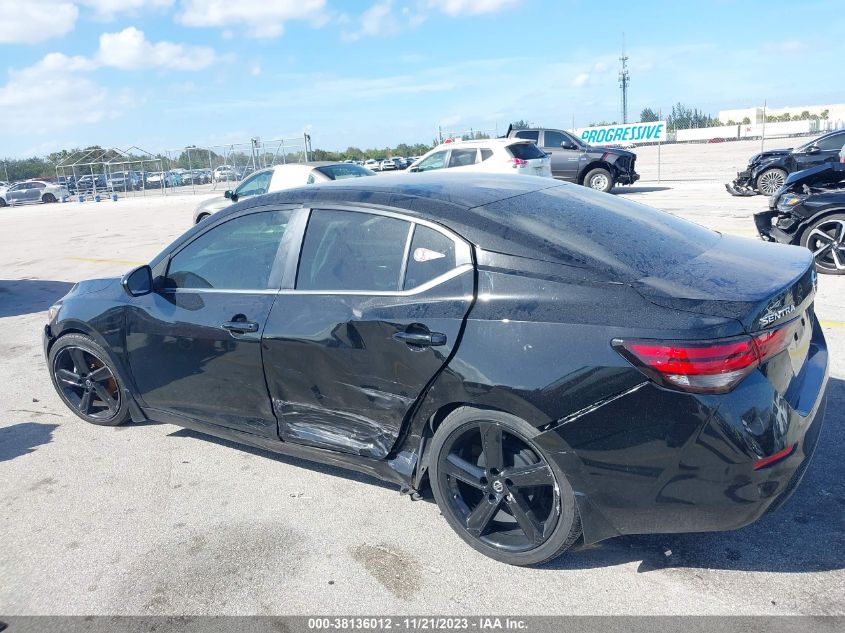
(568,145)
(228,194)
(813,149)
(414,169)
(138,281)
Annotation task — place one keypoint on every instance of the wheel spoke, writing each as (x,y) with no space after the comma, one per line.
(527,476)
(461,469)
(65,375)
(100,374)
(481,516)
(841,237)
(78,357)
(524,516)
(836,260)
(491,445)
(106,397)
(85,402)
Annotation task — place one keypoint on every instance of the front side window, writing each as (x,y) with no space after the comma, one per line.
(462,157)
(553,139)
(236,255)
(256,185)
(432,254)
(435,161)
(485,153)
(831,142)
(345,250)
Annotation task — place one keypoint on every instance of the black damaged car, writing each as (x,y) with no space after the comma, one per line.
(554,363)
(809,211)
(767,171)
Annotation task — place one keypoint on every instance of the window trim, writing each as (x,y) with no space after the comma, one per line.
(463,255)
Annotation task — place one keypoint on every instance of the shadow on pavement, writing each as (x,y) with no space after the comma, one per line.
(20,439)
(25,296)
(806,534)
(640,189)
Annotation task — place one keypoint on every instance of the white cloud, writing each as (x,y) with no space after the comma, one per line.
(30,22)
(108,9)
(378,20)
(262,18)
(130,50)
(29,99)
(580,80)
(469,7)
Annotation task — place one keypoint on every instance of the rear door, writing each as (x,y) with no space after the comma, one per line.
(565,154)
(377,309)
(194,345)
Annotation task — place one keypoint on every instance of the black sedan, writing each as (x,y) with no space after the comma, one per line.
(553,362)
(809,211)
(767,171)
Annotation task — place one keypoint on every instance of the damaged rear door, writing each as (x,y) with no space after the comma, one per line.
(378,306)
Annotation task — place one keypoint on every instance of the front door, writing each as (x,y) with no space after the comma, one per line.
(377,310)
(825,150)
(194,345)
(565,153)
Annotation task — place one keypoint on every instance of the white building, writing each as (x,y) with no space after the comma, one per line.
(835,112)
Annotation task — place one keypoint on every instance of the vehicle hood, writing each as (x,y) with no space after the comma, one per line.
(738,278)
(613,151)
(768,155)
(89,286)
(212,205)
(819,176)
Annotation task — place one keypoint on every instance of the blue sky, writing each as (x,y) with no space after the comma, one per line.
(161,74)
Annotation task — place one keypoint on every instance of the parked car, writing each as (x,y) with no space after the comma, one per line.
(67,181)
(89,183)
(125,181)
(224,172)
(401,163)
(372,164)
(32,191)
(556,365)
(809,210)
(767,171)
(600,168)
(278,178)
(196,177)
(501,155)
(387,165)
(158,179)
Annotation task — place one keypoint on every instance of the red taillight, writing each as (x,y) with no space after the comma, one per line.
(518,162)
(712,366)
(771,459)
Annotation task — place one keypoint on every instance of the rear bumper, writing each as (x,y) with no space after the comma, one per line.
(657,461)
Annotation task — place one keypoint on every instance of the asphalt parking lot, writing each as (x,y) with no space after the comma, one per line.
(153,519)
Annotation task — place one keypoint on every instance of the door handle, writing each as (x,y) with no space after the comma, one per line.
(240,326)
(421,339)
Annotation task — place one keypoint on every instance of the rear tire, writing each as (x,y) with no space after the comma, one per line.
(770,181)
(599,179)
(826,240)
(87,381)
(499,491)
(48,198)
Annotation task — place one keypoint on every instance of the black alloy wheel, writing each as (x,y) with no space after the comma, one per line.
(499,491)
(87,384)
(826,239)
(48,198)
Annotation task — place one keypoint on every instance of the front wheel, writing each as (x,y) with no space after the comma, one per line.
(86,381)
(826,239)
(499,491)
(599,179)
(770,181)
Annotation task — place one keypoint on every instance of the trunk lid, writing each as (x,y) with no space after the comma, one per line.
(759,284)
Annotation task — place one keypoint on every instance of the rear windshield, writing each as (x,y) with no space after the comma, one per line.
(346,170)
(575,225)
(526,151)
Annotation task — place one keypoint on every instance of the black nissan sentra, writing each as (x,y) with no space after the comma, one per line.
(553,362)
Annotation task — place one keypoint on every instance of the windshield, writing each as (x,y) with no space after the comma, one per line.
(345,170)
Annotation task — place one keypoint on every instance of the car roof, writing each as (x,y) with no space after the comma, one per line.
(486,142)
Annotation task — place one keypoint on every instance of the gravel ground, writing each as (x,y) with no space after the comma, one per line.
(152,519)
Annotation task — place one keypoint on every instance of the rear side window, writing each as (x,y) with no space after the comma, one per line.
(345,250)
(525,151)
(528,134)
(432,254)
(485,153)
(462,157)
